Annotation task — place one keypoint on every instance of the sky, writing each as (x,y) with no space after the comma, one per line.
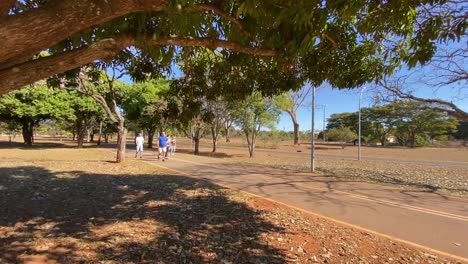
(347,100)
(421,80)
(339,101)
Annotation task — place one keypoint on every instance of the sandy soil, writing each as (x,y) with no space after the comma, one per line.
(63,205)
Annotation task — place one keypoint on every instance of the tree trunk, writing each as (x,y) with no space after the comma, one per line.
(80,132)
(292,114)
(150,137)
(251,151)
(250,143)
(197,145)
(88,135)
(27,131)
(228,133)
(296,134)
(100,134)
(121,143)
(413,140)
(382,140)
(214,134)
(106,137)
(196,140)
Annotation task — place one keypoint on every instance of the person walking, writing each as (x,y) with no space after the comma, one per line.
(139,141)
(162,145)
(173,145)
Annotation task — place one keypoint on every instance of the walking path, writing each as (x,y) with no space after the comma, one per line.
(427,219)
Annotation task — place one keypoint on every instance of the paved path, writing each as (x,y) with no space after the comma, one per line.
(427,219)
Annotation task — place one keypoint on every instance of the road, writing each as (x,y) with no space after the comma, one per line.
(425,219)
(304,154)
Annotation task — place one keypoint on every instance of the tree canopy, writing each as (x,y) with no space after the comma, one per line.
(345,42)
(408,121)
(29,106)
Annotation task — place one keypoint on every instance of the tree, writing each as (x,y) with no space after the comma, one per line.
(107,91)
(290,102)
(253,113)
(424,123)
(462,131)
(343,120)
(85,111)
(145,104)
(343,42)
(11,128)
(342,134)
(383,120)
(31,105)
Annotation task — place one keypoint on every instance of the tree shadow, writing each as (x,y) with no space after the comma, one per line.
(75,217)
(208,153)
(36,145)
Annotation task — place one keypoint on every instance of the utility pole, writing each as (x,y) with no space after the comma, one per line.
(359,136)
(324,107)
(312,148)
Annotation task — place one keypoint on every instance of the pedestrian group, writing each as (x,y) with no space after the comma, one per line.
(166,145)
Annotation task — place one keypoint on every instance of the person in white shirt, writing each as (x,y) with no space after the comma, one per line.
(139,141)
(173,145)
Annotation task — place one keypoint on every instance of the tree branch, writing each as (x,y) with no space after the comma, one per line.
(35,30)
(35,70)
(98,98)
(222,13)
(5,6)
(452,109)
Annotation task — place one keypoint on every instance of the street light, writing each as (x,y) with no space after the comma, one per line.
(324,106)
(359,136)
(323,129)
(312,140)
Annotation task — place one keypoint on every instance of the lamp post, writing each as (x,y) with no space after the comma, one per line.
(359,129)
(312,140)
(324,106)
(323,132)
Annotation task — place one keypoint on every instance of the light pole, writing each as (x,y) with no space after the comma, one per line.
(324,106)
(323,132)
(359,129)
(312,139)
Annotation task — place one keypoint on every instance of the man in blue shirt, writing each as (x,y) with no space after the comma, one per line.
(162,145)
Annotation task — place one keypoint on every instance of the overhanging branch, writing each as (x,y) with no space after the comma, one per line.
(234,20)
(35,30)
(443,106)
(35,70)
(5,6)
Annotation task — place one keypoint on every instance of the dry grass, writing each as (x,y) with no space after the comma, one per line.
(65,205)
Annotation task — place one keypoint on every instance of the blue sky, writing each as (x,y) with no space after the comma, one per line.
(421,81)
(347,100)
(339,101)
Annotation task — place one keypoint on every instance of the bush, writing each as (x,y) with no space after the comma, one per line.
(421,141)
(343,134)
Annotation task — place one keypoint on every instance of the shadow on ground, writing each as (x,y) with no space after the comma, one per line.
(74,217)
(379,177)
